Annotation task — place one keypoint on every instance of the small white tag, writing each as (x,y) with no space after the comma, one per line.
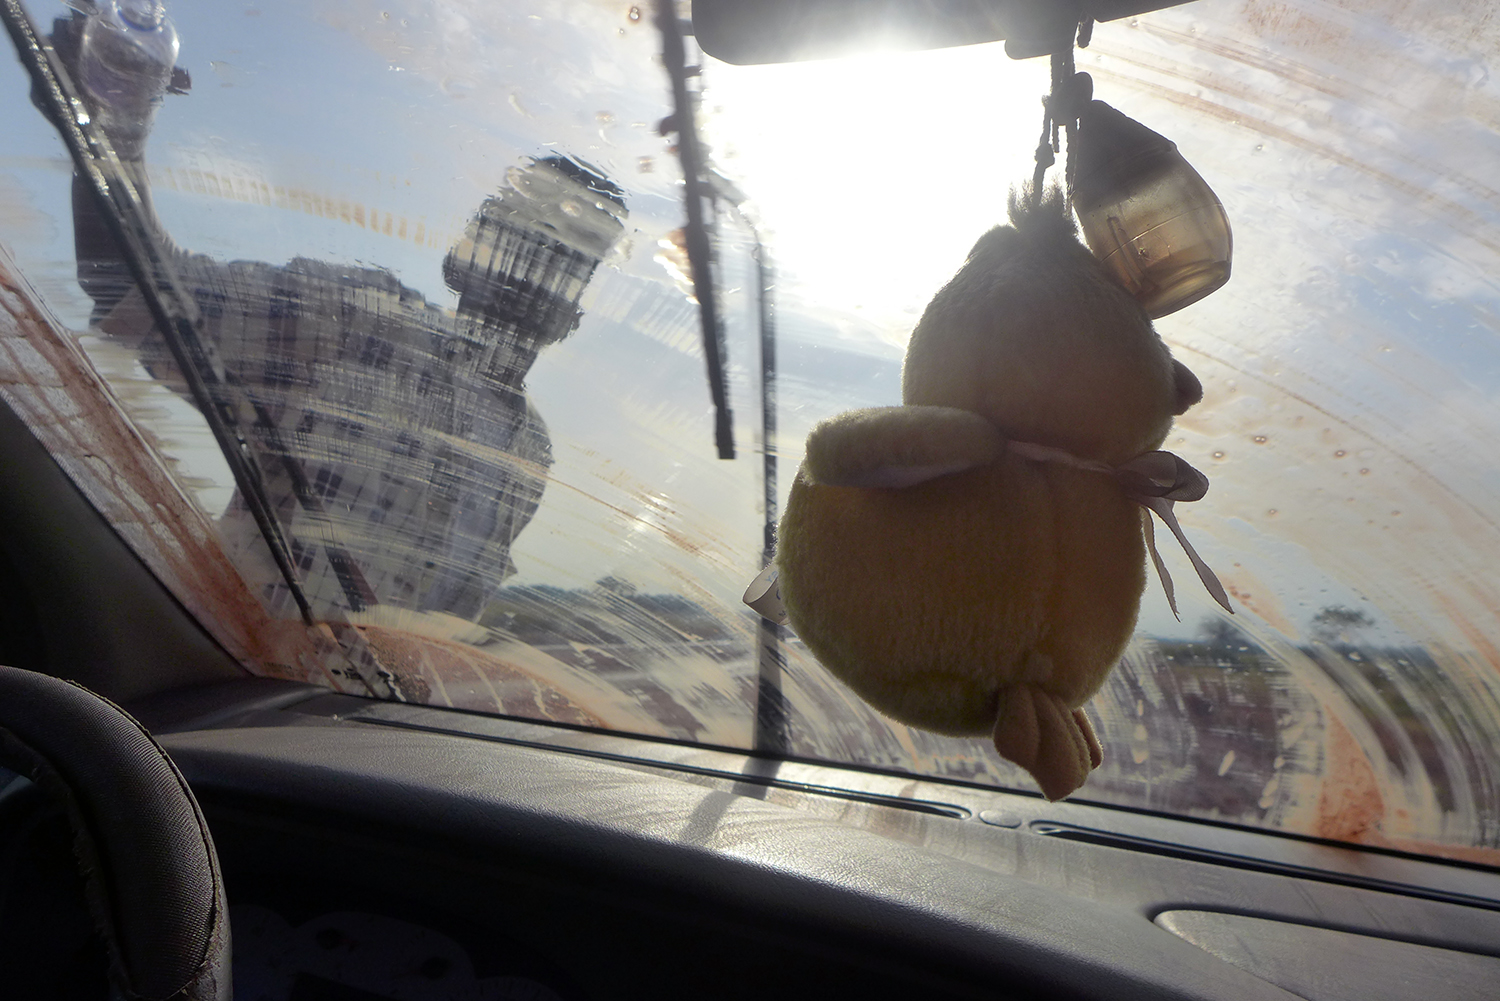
(764,595)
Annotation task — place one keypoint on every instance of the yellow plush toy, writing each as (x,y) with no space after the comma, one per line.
(972,562)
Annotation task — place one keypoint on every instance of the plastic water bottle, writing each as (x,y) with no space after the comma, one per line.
(125,64)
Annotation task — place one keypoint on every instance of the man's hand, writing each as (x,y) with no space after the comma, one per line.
(115,75)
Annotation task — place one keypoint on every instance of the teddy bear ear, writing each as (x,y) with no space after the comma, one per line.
(997,242)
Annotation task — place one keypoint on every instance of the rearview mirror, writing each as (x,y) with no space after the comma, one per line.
(747,32)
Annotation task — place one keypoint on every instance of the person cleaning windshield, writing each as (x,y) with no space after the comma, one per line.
(409,423)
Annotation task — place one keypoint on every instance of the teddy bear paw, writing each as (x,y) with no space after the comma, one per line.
(1052,741)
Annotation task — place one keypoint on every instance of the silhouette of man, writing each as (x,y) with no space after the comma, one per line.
(409,424)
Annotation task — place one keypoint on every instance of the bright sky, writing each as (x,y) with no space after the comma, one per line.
(874,175)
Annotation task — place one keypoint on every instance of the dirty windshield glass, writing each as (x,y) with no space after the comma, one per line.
(440,422)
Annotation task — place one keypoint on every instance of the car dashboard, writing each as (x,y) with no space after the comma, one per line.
(384,850)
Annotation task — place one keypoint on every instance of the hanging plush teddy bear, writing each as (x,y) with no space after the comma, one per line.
(972,562)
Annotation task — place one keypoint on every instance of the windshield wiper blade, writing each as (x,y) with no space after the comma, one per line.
(699,247)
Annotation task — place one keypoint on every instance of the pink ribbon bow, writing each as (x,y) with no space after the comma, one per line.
(1155,481)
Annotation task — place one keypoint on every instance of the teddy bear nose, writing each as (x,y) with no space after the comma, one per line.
(1189,389)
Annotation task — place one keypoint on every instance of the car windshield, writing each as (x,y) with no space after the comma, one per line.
(435,272)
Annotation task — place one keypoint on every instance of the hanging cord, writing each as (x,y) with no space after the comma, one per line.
(1078,92)
(1071,90)
(1045,156)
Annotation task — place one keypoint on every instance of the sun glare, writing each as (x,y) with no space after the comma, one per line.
(873,175)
